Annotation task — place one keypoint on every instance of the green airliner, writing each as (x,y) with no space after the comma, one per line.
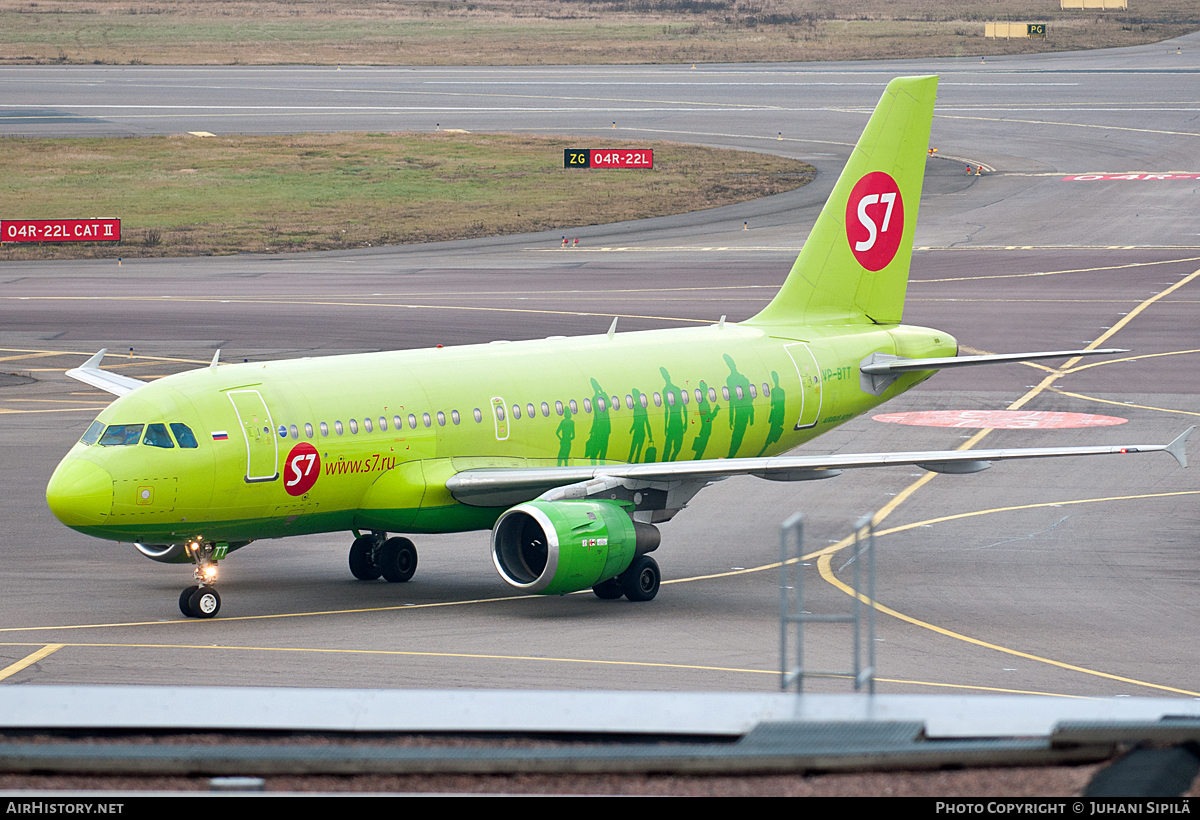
(570,450)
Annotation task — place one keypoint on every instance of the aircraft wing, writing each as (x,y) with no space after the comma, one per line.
(90,373)
(489,487)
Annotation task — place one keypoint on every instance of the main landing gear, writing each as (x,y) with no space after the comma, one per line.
(374,555)
(639,582)
(201,600)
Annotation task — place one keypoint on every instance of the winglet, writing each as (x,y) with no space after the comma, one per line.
(1178,447)
(612,329)
(90,373)
(216,356)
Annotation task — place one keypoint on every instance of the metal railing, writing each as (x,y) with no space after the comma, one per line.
(793,616)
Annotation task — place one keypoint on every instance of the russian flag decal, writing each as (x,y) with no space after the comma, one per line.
(220,435)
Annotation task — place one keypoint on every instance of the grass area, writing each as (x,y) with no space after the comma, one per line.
(531,32)
(201,195)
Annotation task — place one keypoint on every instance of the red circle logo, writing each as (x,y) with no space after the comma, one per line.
(875,220)
(301,468)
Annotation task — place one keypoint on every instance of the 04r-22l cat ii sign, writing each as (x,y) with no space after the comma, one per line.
(571,450)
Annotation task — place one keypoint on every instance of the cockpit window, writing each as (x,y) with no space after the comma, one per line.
(156,436)
(120,435)
(93,433)
(183,434)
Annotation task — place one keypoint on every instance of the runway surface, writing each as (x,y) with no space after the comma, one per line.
(1060,577)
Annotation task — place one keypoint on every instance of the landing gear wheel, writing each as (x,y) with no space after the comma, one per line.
(609,590)
(640,581)
(199,602)
(397,559)
(364,558)
(185,598)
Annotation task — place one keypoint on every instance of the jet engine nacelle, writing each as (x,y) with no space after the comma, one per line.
(556,547)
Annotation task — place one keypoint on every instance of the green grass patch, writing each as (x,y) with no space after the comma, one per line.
(200,195)
(531,32)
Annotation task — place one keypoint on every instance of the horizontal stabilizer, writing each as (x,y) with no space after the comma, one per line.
(881,369)
(499,487)
(90,373)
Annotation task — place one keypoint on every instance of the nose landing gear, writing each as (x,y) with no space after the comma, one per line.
(201,600)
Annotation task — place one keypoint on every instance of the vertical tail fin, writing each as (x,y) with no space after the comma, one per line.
(854,265)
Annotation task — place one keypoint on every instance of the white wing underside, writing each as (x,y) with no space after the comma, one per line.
(490,487)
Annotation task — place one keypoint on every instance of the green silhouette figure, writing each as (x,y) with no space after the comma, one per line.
(597,444)
(566,434)
(707,413)
(741,408)
(778,414)
(640,429)
(674,419)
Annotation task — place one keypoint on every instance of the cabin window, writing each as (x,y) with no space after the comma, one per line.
(530,411)
(600,407)
(121,435)
(671,398)
(574,407)
(308,431)
(156,436)
(516,411)
(657,400)
(293,431)
(454,417)
(183,434)
(753,393)
(725,393)
(367,424)
(683,396)
(441,419)
(712,394)
(337,427)
(558,407)
(324,429)
(354,426)
(766,391)
(382,424)
(478,416)
(645,402)
(412,421)
(629,402)
(93,433)
(545,410)
(397,424)
(425,418)
(500,412)
(738,390)
(587,405)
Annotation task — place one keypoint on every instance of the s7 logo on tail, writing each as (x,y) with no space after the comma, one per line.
(875,220)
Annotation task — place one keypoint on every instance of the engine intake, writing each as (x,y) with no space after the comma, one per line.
(556,547)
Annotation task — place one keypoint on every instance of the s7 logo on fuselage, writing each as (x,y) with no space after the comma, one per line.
(301,469)
(875,220)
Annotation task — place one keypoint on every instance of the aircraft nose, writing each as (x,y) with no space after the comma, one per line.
(80,493)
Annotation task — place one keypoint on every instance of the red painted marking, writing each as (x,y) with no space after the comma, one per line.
(999,419)
(1110,177)
(875,220)
(622,158)
(60,230)
(301,468)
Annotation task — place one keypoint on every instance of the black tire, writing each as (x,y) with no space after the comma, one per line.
(397,559)
(185,598)
(609,590)
(640,582)
(205,603)
(364,558)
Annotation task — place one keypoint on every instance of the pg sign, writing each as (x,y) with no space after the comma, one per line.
(60,230)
